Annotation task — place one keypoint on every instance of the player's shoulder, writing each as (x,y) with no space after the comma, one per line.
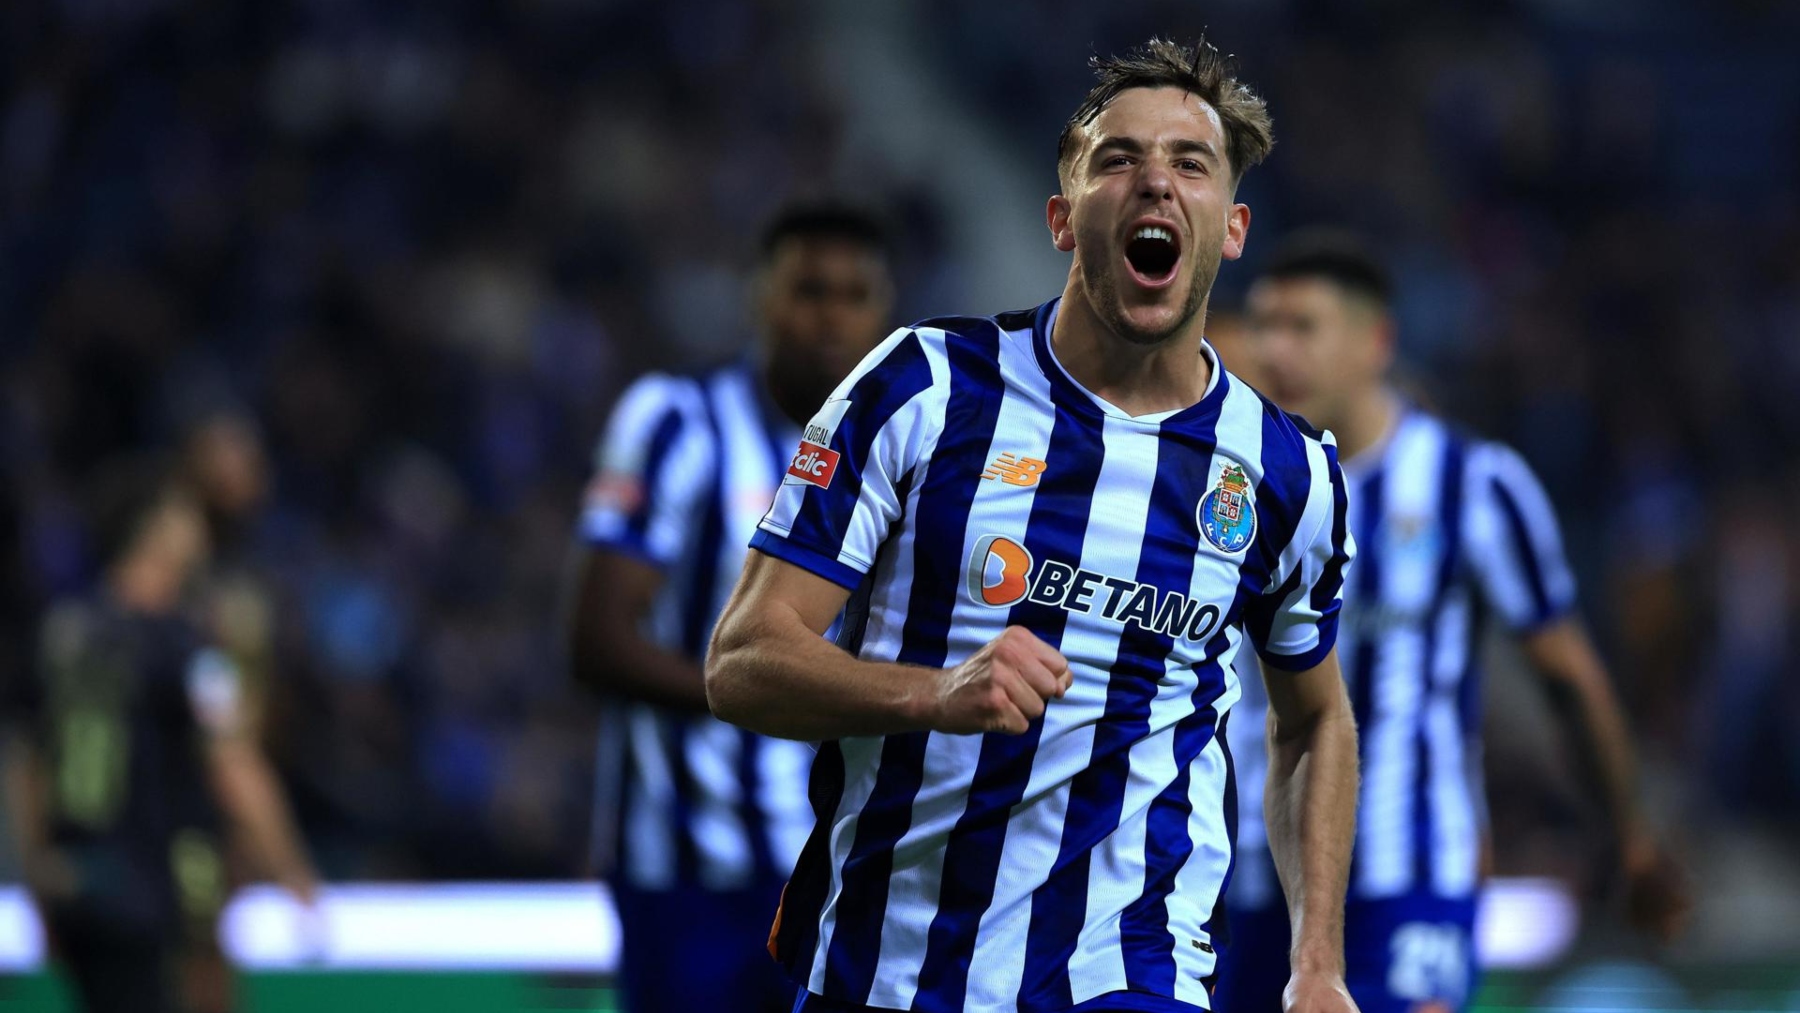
(1285,433)
(668,390)
(964,336)
(670,402)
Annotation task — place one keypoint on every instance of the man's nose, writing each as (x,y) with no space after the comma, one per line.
(1155,182)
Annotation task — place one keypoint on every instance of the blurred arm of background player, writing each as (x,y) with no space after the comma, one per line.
(252,798)
(1657,899)
(771,670)
(1310,808)
(27,804)
(610,653)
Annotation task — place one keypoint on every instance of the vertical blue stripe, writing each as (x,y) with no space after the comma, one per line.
(943,514)
(1218,925)
(1280,504)
(656,459)
(699,610)
(1332,578)
(1524,550)
(1365,601)
(824,515)
(1056,529)
(673,730)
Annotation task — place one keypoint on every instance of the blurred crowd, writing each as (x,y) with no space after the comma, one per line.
(379,269)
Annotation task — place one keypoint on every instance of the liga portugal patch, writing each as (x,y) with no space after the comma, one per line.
(814,465)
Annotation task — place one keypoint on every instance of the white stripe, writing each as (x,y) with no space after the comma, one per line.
(678,491)
(721,841)
(1197,884)
(782,768)
(1455,839)
(650,805)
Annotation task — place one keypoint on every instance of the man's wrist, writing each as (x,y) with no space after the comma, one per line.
(1318,959)
(918,705)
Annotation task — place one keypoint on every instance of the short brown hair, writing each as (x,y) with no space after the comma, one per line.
(1202,71)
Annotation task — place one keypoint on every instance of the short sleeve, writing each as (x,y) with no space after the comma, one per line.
(1295,625)
(848,481)
(215,691)
(649,470)
(1512,541)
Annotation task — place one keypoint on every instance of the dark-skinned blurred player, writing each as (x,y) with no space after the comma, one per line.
(699,822)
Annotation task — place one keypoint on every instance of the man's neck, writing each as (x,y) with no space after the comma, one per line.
(1137,379)
(1367,423)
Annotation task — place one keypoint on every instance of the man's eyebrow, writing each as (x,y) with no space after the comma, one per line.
(1189,146)
(1129,145)
(1133,146)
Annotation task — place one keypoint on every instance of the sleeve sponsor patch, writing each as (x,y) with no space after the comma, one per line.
(815,462)
(615,491)
(814,465)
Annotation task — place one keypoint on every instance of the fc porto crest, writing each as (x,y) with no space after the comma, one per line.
(1227,516)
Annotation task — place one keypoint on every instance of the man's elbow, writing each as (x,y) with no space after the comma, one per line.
(722,682)
(727,686)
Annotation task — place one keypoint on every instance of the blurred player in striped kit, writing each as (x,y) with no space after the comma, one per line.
(699,823)
(1452,532)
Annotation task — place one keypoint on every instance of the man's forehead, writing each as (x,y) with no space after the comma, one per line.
(1157,114)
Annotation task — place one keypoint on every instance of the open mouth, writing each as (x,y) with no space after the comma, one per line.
(1153,253)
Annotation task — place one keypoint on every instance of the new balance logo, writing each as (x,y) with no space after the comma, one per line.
(1023,471)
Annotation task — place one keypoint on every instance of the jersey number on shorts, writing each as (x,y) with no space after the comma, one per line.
(1428,961)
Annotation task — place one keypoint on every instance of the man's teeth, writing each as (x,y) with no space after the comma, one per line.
(1154,232)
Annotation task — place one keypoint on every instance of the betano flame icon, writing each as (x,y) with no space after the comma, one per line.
(1013,578)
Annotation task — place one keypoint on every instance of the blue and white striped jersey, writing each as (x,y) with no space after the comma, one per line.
(1450,530)
(686,469)
(961,481)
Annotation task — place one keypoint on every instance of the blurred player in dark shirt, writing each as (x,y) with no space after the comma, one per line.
(130,718)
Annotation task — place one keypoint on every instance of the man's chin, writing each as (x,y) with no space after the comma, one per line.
(1149,324)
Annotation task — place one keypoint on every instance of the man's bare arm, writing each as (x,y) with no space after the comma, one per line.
(1310,808)
(1565,657)
(771,670)
(607,644)
(252,796)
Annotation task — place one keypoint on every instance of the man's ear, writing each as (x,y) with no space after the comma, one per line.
(1056,215)
(1237,230)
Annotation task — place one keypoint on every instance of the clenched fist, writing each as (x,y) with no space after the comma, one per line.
(1002,687)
